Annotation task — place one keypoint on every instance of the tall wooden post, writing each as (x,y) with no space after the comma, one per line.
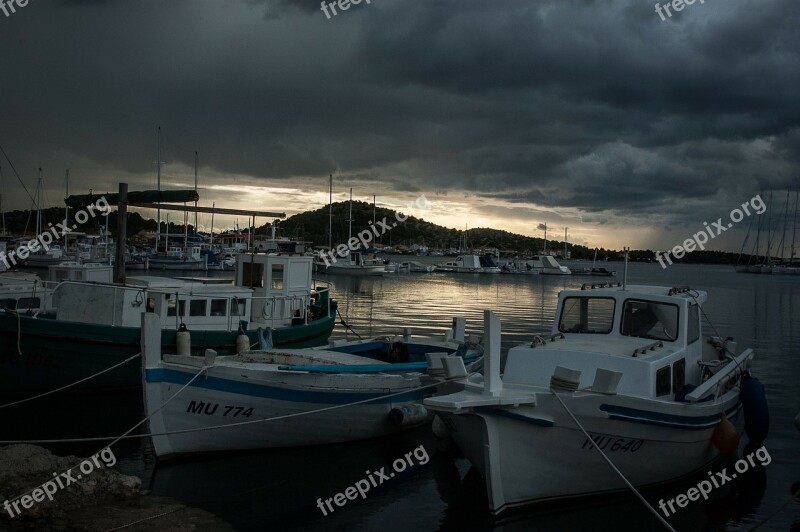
(122,237)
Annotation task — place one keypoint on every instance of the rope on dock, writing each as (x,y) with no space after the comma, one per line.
(137,355)
(607,459)
(162,514)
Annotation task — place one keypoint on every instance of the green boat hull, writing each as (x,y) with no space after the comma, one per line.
(57,353)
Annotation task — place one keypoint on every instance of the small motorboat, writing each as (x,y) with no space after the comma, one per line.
(626,371)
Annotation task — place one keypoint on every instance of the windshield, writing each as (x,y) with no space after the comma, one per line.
(648,319)
(592,315)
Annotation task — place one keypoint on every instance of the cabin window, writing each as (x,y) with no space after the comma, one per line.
(693,331)
(151,304)
(27,303)
(238,306)
(219,307)
(277,276)
(171,305)
(197,307)
(649,319)
(678,375)
(593,315)
(662,381)
(252,274)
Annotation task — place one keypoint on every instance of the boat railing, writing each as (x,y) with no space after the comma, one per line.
(722,380)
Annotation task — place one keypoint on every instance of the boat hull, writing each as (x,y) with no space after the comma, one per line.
(56,353)
(227,395)
(534,454)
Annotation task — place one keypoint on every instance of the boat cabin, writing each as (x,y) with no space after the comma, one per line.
(651,335)
(269,291)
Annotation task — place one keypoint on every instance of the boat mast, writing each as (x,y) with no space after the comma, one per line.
(350,221)
(373,210)
(565,243)
(158,188)
(545,238)
(166,242)
(330,213)
(794,229)
(66,206)
(195,191)
(213,205)
(39,192)
(2,212)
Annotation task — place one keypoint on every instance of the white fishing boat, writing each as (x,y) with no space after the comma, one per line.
(548,265)
(355,264)
(413,266)
(293,397)
(462,264)
(631,365)
(177,258)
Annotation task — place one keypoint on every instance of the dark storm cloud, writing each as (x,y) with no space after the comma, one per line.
(596,106)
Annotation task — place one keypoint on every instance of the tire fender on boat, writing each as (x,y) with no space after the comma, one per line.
(756,409)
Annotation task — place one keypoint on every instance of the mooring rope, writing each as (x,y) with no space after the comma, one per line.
(137,355)
(607,459)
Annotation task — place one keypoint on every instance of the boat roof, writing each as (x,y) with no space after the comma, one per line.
(152,282)
(617,290)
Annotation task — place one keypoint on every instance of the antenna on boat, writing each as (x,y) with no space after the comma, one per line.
(625,269)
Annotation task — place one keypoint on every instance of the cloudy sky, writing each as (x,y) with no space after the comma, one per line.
(596,115)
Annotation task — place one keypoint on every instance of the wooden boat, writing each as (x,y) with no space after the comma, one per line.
(633,368)
(288,397)
(97,325)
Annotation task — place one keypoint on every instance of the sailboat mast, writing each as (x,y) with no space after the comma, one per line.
(39,193)
(350,221)
(2,212)
(794,229)
(66,205)
(158,187)
(213,205)
(545,238)
(195,191)
(565,243)
(330,212)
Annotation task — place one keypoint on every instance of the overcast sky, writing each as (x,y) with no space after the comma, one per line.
(595,115)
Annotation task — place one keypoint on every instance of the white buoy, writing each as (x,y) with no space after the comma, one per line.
(183,339)
(242,342)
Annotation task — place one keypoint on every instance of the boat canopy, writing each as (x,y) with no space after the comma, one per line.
(144,196)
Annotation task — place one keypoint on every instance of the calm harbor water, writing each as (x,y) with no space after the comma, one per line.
(278,490)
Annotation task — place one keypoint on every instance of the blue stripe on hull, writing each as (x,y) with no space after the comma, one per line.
(623,413)
(219,384)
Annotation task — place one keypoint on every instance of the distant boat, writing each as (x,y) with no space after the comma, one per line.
(414,267)
(631,365)
(178,259)
(97,325)
(548,265)
(356,263)
(462,264)
(384,376)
